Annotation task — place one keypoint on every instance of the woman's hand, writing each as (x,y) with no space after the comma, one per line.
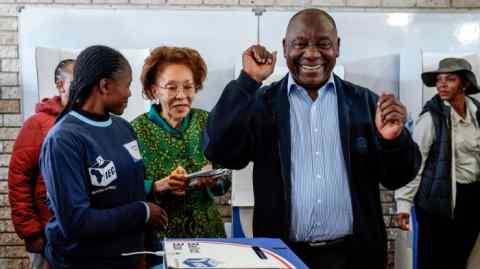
(176,182)
(158,217)
(208,182)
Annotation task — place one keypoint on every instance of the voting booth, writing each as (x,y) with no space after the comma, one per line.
(383,51)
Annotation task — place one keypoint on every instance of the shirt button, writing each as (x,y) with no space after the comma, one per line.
(318,176)
(319,201)
(316,130)
(317,153)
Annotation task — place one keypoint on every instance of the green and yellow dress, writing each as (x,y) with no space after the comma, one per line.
(165,148)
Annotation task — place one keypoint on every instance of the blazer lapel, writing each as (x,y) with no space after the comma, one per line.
(281,116)
(344,107)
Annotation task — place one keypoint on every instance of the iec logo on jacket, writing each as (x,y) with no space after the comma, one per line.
(102,173)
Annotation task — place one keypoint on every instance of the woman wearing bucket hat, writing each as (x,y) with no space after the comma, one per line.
(446,191)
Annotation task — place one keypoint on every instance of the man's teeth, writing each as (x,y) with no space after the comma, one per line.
(309,67)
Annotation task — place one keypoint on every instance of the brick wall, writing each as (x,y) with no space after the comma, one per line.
(11,250)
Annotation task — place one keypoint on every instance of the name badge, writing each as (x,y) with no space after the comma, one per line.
(134,150)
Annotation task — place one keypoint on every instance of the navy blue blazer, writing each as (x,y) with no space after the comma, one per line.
(253,124)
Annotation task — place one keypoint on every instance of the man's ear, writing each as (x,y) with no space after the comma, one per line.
(284,45)
(59,84)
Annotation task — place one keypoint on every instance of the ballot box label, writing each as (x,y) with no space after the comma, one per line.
(102,173)
(184,254)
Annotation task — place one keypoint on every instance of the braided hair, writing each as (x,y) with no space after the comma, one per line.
(60,69)
(93,64)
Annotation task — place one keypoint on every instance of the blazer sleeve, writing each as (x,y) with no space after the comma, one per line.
(399,159)
(228,136)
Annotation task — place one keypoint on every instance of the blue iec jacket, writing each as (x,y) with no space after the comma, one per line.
(253,124)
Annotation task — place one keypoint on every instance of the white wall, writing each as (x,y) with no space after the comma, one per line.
(391,56)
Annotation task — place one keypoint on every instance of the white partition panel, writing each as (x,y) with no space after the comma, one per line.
(219,36)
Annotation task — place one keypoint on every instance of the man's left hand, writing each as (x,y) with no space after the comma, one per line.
(390,116)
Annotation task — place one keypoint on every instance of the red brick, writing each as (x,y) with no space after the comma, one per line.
(8,79)
(8,133)
(6,146)
(10,239)
(8,51)
(6,226)
(3,187)
(14,263)
(8,23)
(8,38)
(9,106)
(391,245)
(12,120)
(3,173)
(35,1)
(386,196)
(388,209)
(11,93)
(5,160)
(5,213)
(4,200)
(388,221)
(13,252)
(391,234)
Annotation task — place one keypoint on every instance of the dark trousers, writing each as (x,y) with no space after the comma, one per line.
(447,243)
(329,257)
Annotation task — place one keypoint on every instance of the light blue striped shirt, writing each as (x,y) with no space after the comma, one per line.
(321,202)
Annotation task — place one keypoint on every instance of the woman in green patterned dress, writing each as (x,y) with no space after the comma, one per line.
(169,136)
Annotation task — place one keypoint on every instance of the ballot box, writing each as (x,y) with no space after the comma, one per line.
(233,253)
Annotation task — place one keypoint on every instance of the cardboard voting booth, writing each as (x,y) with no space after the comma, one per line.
(257,253)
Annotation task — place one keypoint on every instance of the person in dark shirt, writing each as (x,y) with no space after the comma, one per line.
(94,171)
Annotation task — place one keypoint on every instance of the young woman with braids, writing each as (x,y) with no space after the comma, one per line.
(94,171)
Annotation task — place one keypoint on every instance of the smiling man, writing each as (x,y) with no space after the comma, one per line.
(320,147)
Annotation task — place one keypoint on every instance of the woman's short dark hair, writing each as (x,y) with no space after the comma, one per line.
(163,56)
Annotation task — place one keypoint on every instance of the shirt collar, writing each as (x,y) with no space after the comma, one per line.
(292,84)
(470,115)
(154,116)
